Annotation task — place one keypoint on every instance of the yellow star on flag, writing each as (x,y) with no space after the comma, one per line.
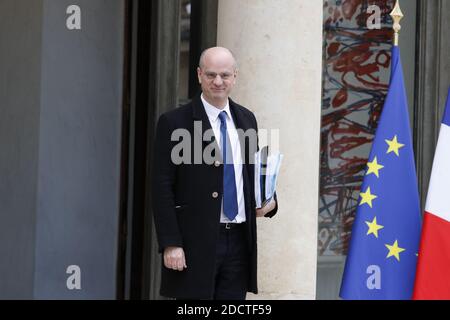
(394,146)
(367,197)
(374,167)
(394,250)
(373,227)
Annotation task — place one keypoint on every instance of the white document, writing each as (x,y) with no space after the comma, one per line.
(266,173)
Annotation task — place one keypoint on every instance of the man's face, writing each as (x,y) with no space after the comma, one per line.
(217,77)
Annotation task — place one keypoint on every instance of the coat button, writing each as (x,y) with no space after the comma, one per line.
(217,163)
(215,195)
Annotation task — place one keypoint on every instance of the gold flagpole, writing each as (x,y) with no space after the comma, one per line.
(396,15)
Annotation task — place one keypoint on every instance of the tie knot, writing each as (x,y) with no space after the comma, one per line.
(223,117)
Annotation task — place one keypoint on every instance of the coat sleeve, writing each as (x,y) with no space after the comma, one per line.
(163,183)
(269,214)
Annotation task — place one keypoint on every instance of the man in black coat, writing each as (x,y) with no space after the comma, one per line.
(203,190)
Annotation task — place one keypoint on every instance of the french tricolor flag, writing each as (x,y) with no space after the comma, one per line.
(433,268)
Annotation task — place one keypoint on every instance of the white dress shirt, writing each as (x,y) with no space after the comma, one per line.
(214,120)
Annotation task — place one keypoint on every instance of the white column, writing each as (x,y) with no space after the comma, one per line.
(278,45)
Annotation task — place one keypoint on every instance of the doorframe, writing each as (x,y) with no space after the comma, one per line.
(151,56)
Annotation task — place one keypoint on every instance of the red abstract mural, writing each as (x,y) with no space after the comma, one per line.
(356,74)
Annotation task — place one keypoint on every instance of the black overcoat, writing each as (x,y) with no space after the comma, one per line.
(187,199)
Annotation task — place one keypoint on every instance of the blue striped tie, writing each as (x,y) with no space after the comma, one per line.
(230,205)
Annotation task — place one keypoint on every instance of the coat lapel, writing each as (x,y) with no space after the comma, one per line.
(243,123)
(199,114)
(202,125)
(239,118)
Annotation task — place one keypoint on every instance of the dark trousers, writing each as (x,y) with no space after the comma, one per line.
(232,263)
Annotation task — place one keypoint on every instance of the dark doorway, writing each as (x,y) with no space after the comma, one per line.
(159,34)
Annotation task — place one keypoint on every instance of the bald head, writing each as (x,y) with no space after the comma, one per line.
(217,74)
(214,53)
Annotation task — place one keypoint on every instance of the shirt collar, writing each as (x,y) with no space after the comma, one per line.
(213,112)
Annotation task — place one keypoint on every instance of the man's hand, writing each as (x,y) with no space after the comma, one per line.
(174,258)
(261,212)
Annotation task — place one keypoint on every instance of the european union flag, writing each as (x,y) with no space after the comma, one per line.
(381,261)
